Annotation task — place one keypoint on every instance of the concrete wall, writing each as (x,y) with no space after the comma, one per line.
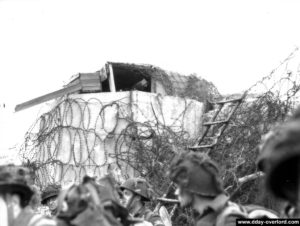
(81,134)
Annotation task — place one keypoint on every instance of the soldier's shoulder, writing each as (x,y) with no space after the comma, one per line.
(149,213)
(40,220)
(256,211)
(143,223)
(153,217)
(230,213)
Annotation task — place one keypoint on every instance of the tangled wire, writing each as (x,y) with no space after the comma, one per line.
(87,136)
(269,102)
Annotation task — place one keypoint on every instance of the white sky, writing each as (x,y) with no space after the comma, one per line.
(44,42)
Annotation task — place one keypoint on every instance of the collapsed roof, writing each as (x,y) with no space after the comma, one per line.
(116,77)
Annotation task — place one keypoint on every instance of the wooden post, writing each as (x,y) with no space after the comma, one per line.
(112,85)
(47,97)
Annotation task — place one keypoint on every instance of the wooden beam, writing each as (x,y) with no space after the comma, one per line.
(168,200)
(252,176)
(47,97)
(112,85)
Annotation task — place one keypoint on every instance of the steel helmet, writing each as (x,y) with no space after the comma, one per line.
(265,149)
(196,173)
(139,186)
(16,179)
(282,175)
(52,190)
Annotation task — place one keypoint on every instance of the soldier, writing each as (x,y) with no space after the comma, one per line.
(279,158)
(93,204)
(110,193)
(137,191)
(15,195)
(49,197)
(199,186)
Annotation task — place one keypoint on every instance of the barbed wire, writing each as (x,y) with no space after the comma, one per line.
(86,136)
(270,101)
(82,136)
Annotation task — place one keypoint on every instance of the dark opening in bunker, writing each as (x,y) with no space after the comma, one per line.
(128,78)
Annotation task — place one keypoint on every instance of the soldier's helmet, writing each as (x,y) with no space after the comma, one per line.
(284,162)
(265,149)
(280,160)
(52,190)
(196,173)
(108,190)
(139,186)
(107,187)
(16,179)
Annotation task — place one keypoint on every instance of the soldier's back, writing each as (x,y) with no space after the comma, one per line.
(227,216)
(260,212)
(28,218)
(150,216)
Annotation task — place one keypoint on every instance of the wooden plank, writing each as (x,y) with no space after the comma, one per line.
(112,85)
(74,82)
(87,89)
(73,78)
(91,83)
(88,76)
(232,100)
(86,86)
(47,97)
(153,86)
(216,122)
(167,200)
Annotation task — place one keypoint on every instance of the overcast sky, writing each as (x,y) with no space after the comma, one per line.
(230,43)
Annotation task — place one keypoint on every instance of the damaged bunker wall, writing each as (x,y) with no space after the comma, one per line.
(93,133)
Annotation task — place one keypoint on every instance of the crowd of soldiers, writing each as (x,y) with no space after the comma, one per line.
(196,176)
